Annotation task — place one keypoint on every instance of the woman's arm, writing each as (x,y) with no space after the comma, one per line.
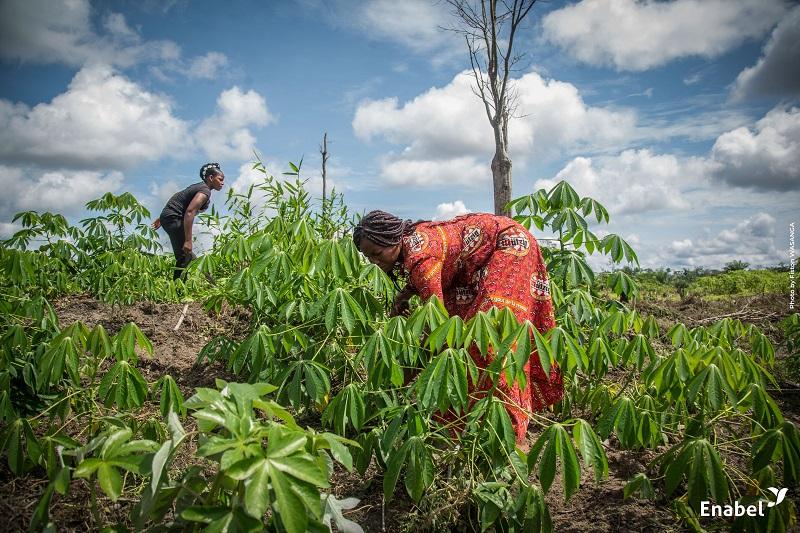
(188,219)
(425,270)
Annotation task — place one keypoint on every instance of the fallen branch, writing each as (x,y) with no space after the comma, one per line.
(751,316)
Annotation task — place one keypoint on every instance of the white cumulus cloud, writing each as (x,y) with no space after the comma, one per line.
(207,66)
(766,157)
(116,24)
(60,31)
(634,181)
(62,191)
(7,229)
(226,134)
(461,171)
(414,24)
(160,193)
(638,35)
(751,241)
(248,176)
(448,210)
(446,136)
(103,120)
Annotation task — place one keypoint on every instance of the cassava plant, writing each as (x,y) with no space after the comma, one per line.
(393,392)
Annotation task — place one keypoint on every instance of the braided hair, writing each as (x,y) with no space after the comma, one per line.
(208,170)
(382,228)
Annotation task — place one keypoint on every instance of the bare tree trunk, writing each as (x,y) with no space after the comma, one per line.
(490,41)
(501,178)
(324,151)
(501,166)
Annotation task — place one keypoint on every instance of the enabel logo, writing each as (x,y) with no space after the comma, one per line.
(737,509)
(779,496)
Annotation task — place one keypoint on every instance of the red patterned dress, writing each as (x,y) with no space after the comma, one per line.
(477,261)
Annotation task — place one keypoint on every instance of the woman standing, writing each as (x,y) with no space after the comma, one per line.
(178,215)
(472,262)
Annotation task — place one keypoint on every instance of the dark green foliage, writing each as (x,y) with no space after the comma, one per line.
(402,388)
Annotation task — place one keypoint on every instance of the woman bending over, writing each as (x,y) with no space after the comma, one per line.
(178,215)
(472,263)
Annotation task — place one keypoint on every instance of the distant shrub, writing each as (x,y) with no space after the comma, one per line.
(740,282)
(780,267)
(734,281)
(661,275)
(733,266)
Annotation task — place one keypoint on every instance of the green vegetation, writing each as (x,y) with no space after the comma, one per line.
(791,330)
(319,340)
(741,282)
(667,284)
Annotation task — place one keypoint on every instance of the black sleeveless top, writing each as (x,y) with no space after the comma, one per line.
(177,205)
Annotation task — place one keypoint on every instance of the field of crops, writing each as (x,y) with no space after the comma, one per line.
(287,400)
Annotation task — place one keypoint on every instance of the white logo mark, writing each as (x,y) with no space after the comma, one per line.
(779,496)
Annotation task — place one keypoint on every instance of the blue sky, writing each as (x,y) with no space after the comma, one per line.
(680,116)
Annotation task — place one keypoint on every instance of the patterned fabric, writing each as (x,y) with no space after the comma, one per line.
(477,261)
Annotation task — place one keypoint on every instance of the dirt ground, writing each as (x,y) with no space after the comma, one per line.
(174,352)
(764,310)
(597,507)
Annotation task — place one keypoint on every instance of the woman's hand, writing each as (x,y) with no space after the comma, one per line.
(400,305)
(187,247)
(156,223)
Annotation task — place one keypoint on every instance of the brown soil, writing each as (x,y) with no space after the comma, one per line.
(174,352)
(597,507)
(763,310)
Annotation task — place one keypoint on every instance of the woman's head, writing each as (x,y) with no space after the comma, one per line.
(212,175)
(378,237)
